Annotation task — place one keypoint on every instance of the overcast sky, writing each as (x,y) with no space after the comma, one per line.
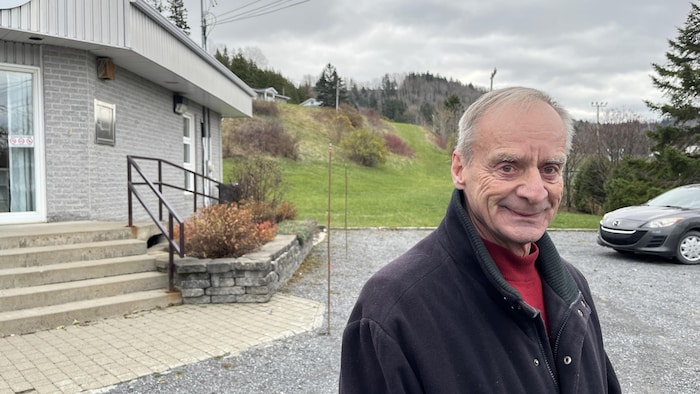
(578,51)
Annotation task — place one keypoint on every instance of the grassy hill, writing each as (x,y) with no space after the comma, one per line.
(403,192)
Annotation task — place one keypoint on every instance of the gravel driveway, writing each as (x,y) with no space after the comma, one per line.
(649,308)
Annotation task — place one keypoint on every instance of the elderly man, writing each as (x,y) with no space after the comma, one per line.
(485,304)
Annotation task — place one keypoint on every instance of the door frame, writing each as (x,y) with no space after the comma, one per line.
(39,214)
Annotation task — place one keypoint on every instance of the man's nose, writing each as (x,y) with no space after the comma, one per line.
(533,186)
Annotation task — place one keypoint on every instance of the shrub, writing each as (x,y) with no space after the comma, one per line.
(396,145)
(364,147)
(589,193)
(355,118)
(225,230)
(633,181)
(285,211)
(260,136)
(265,108)
(264,211)
(261,211)
(447,142)
(374,119)
(303,229)
(340,126)
(259,180)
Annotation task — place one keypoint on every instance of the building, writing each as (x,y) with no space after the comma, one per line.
(311,102)
(85,83)
(270,94)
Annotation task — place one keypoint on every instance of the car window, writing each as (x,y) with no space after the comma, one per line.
(688,198)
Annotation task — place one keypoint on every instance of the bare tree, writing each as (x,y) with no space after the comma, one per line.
(256,56)
(584,145)
(624,134)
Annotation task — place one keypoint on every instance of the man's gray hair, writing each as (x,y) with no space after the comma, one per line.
(521,95)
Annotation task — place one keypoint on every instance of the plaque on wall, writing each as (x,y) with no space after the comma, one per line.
(105,123)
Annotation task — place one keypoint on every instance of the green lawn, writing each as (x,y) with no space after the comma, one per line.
(403,192)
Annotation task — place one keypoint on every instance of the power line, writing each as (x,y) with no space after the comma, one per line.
(242,7)
(209,20)
(259,11)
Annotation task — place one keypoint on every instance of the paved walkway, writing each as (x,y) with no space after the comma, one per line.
(82,358)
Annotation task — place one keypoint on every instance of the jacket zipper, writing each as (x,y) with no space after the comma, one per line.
(544,356)
(561,329)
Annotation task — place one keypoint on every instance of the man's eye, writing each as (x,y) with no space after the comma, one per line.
(550,170)
(507,168)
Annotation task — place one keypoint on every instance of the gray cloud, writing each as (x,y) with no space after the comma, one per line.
(578,51)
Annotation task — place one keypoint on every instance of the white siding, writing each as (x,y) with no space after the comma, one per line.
(102,22)
(18,53)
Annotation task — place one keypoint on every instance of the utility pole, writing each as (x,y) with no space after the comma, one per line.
(337,93)
(204,25)
(598,105)
(493,74)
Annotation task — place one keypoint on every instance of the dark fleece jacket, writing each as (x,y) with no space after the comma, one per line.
(442,319)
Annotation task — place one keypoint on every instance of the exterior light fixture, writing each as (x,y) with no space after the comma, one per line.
(179,106)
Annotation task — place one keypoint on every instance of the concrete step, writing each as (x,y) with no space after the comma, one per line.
(59,293)
(49,317)
(48,255)
(79,270)
(64,233)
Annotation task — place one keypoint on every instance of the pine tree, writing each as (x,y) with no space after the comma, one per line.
(157,4)
(679,80)
(326,87)
(178,15)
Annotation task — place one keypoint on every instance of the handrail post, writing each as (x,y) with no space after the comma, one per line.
(195,190)
(160,189)
(171,257)
(128,190)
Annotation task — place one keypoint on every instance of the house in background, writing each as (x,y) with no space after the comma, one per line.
(270,94)
(83,84)
(311,102)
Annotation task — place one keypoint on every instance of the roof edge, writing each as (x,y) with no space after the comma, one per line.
(185,39)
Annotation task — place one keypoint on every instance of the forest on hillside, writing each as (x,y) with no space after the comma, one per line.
(419,98)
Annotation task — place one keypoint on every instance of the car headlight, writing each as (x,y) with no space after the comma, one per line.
(663,222)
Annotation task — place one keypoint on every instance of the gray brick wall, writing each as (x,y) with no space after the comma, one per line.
(89,181)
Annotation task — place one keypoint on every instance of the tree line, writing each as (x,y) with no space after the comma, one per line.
(622,160)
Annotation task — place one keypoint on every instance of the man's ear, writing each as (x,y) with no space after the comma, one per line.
(458,166)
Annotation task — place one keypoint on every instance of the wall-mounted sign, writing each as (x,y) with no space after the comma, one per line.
(105,123)
(7,4)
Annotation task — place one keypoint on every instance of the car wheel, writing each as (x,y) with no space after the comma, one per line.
(688,249)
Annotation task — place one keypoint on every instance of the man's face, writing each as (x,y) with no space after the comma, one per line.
(513,185)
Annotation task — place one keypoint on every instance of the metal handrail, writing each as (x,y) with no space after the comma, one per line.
(173,217)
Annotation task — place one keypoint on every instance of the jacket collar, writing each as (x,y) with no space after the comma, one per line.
(458,227)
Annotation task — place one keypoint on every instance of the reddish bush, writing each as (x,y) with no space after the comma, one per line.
(265,211)
(286,211)
(396,145)
(225,230)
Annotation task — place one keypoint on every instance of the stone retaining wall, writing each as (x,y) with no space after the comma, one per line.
(254,277)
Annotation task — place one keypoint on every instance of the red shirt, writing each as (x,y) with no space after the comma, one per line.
(521,273)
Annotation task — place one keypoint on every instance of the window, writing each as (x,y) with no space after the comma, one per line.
(188,143)
(17,141)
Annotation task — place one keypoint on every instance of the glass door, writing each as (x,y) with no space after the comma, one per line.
(19,183)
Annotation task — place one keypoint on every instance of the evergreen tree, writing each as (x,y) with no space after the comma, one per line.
(157,4)
(178,14)
(679,80)
(327,85)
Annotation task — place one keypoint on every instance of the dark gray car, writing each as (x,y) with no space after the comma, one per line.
(667,225)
